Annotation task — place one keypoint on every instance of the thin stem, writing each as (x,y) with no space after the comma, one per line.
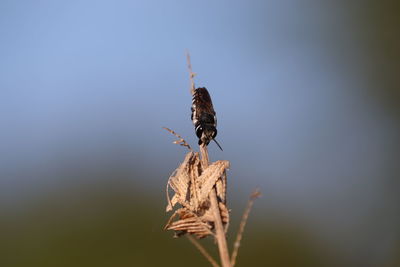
(191,73)
(245,216)
(219,228)
(180,141)
(202,250)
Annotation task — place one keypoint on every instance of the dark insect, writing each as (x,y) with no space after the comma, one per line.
(203,117)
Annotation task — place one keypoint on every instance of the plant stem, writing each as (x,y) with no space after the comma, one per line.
(202,250)
(245,216)
(219,228)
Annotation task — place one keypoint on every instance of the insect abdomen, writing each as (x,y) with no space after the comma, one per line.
(203,116)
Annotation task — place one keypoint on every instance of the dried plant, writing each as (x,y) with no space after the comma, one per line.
(180,141)
(200,199)
(192,185)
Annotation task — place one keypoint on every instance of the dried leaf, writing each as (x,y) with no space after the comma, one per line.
(209,178)
(192,186)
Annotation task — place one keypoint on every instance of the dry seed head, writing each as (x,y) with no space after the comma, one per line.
(192,185)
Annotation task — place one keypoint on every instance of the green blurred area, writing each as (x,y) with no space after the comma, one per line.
(112,224)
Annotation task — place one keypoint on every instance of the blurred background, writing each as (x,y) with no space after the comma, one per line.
(308,104)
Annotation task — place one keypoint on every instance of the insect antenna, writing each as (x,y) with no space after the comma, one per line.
(218,144)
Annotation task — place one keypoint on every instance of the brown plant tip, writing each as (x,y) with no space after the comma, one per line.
(255,194)
(191,73)
(180,140)
(192,185)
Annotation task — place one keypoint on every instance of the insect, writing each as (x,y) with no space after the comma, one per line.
(203,117)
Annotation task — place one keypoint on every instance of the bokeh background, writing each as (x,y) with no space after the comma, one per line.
(308,105)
